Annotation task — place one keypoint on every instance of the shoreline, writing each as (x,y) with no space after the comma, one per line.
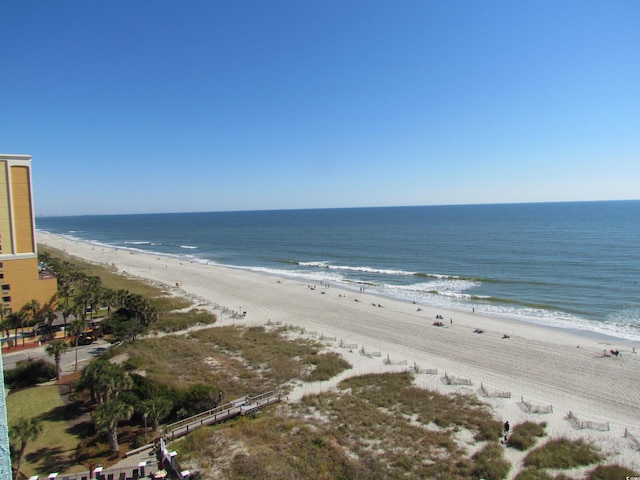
(538,364)
(581,335)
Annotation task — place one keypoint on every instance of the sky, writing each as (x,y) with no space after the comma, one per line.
(170,106)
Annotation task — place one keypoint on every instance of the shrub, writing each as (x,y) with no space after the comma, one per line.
(524,435)
(490,464)
(563,453)
(28,373)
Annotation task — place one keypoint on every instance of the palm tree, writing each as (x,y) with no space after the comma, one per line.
(104,380)
(55,349)
(114,381)
(94,290)
(157,409)
(110,298)
(90,376)
(22,432)
(49,317)
(5,324)
(66,313)
(108,415)
(82,301)
(17,319)
(76,327)
(32,307)
(138,306)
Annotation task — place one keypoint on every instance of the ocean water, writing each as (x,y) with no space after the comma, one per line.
(568,265)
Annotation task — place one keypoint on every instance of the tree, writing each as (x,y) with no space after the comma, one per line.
(75,329)
(108,416)
(110,298)
(65,290)
(157,408)
(4,311)
(94,290)
(25,430)
(82,301)
(49,317)
(5,324)
(104,380)
(55,349)
(33,307)
(137,306)
(16,320)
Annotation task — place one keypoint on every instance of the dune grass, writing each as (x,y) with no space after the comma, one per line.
(373,426)
(525,435)
(233,359)
(563,453)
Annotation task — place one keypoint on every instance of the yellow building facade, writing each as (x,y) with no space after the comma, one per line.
(21,279)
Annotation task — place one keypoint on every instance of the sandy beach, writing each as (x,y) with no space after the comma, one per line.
(542,366)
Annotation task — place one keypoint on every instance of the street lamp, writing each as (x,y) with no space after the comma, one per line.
(144,417)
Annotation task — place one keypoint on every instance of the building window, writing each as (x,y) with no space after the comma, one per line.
(6,299)
(1,265)
(6,287)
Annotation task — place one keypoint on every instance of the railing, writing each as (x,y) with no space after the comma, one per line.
(240,406)
(203,415)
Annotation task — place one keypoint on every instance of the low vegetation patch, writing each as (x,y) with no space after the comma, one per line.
(238,360)
(611,472)
(490,464)
(525,435)
(175,321)
(562,454)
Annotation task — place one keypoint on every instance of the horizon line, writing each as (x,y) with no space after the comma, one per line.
(337,208)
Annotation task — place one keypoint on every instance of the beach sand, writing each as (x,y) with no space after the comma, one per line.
(542,366)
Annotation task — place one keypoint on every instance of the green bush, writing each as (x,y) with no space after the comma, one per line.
(28,373)
(563,453)
(524,435)
(490,464)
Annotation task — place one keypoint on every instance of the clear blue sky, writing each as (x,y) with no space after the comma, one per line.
(167,106)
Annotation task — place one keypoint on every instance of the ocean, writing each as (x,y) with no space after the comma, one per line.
(572,265)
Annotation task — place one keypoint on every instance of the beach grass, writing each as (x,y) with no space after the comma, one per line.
(525,435)
(371,427)
(175,321)
(563,453)
(233,359)
(489,463)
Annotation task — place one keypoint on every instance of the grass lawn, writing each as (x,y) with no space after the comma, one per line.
(55,449)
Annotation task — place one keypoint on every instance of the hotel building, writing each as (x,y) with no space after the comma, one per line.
(21,279)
